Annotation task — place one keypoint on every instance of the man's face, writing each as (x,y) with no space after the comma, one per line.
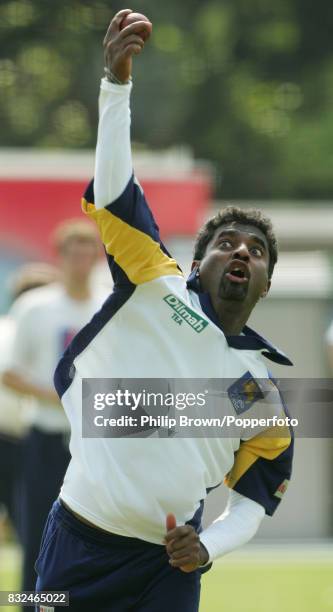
(78,258)
(235,265)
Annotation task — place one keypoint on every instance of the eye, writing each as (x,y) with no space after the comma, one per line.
(225,244)
(257,251)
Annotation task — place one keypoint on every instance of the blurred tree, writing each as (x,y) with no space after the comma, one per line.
(248,85)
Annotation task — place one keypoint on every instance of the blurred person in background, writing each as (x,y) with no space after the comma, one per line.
(47,319)
(14,409)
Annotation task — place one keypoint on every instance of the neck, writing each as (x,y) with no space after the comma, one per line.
(232,315)
(77,290)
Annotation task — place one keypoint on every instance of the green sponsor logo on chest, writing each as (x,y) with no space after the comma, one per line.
(184,313)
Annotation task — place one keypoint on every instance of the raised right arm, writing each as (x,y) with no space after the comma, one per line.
(115,200)
(113,165)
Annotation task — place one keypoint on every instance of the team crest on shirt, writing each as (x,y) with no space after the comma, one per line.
(244,392)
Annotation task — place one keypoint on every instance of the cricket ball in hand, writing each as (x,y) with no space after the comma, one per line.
(133,18)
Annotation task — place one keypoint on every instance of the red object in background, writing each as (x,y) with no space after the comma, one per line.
(32,208)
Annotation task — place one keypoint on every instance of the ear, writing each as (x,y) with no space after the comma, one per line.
(195,264)
(268,286)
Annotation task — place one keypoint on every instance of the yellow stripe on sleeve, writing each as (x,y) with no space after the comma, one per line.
(263,445)
(137,254)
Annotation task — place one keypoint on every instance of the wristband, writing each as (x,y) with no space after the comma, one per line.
(113,79)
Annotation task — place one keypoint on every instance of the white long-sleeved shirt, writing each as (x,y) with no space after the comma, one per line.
(128,485)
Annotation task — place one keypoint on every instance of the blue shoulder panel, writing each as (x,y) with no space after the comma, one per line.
(132,208)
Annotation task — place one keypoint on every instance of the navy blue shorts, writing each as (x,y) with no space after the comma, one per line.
(110,573)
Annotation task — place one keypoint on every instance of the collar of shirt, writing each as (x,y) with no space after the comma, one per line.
(249,339)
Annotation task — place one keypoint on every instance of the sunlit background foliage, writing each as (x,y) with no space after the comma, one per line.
(247,84)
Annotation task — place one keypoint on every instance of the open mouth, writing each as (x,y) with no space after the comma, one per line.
(237,275)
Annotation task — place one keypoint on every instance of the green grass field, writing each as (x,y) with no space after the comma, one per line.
(268,587)
(251,582)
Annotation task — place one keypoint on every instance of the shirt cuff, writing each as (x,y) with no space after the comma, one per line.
(106,85)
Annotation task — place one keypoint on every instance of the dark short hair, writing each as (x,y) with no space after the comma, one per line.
(250,216)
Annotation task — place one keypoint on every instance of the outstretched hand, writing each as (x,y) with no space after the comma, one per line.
(120,44)
(183,546)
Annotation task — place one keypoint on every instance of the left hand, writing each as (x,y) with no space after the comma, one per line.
(183,546)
